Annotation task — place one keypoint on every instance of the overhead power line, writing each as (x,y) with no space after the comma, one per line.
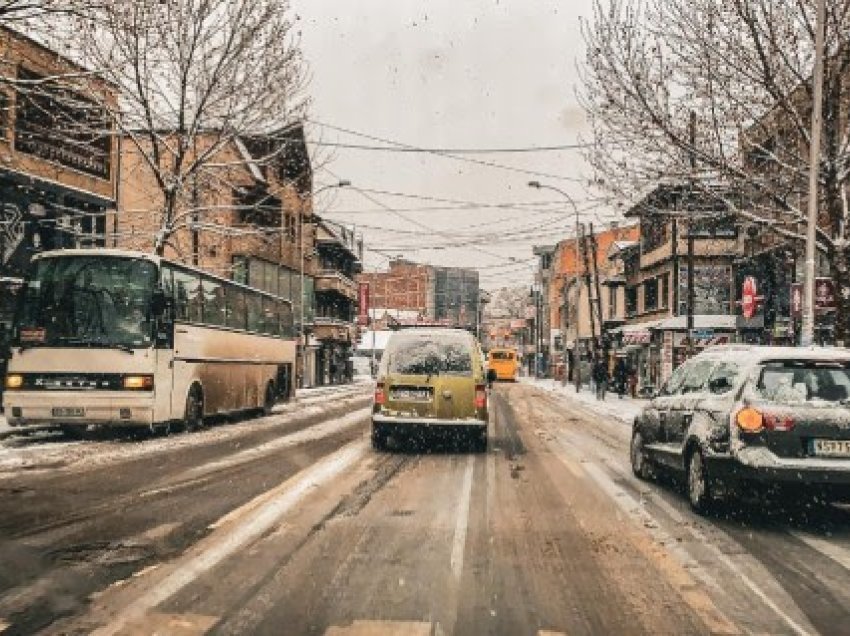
(448,155)
(456,151)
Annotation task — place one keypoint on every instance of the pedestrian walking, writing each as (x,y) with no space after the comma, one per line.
(600,378)
(633,382)
(620,377)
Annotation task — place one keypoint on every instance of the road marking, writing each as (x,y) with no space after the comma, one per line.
(171,624)
(251,527)
(382,628)
(459,542)
(833,551)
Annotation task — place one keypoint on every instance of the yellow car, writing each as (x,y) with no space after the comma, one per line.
(504,362)
(431,379)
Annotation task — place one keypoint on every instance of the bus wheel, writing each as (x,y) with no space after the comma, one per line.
(194,418)
(270,399)
(74,431)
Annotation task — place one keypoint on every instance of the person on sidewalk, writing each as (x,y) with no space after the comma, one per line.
(621,375)
(600,378)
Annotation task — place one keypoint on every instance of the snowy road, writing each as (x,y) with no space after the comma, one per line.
(292,524)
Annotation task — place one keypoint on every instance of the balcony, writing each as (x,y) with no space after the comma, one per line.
(330,281)
(325,328)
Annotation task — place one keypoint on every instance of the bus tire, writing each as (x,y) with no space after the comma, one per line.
(270,399)
(193,418)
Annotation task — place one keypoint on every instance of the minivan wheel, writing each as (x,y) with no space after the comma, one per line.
(270,399)
(194,419)
(699,493)
(640,465)
(479,441)
(379,439)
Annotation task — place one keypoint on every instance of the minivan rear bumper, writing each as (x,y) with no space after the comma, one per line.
(401,421)
(758,464)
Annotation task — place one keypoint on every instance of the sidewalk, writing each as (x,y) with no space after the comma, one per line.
(624,409)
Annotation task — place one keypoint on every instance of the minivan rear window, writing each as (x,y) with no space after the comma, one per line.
(427,356)
(501,355)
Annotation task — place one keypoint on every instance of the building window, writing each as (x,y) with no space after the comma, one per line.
(612,302)
(631,301)
(59,125)
(650,294)
(654,232)
(664,295)
(256,207)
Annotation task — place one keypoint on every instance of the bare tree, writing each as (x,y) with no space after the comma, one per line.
(195,78)
(708,91)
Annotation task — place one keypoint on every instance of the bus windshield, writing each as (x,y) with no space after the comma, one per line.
(93,301)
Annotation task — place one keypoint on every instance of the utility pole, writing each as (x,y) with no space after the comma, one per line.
(587,284)
(594,249)
(808,329)
(692,133)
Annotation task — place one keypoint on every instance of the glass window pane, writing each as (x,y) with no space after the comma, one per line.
(187,296)
(214,302)
(235,308)
(285,284)
(287,328)
(270,278)
(254,312)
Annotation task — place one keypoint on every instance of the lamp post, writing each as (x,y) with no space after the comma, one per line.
(576,365)
(302,332)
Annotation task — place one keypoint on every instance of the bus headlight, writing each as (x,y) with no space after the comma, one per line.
(14,381)
(138,382)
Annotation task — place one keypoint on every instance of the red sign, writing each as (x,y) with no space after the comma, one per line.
(748,297)
(363,303)
(824,294)
(797,300)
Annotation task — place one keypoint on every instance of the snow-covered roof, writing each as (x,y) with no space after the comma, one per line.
(759,353)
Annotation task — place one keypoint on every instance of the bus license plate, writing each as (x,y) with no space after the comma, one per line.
(68,411)
(831,447)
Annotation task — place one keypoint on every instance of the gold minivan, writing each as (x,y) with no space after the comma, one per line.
(431,380)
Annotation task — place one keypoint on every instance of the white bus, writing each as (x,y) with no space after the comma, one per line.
(117,338)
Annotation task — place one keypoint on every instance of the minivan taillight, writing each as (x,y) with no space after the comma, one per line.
(380,395)
(480,396)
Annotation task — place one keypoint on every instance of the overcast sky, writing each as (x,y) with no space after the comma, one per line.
(460,74)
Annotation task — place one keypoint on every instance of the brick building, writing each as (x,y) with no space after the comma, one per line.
(58,154)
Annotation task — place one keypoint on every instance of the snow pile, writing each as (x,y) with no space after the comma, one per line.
(624,410)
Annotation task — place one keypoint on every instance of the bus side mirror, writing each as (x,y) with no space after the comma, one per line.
(159,302)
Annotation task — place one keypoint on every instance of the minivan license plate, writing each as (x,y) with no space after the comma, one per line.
(68,411)
(411,395)
(831,447)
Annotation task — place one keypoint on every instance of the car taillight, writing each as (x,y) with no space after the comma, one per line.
(776,422)
(380,395)
(749,420)
(480,396)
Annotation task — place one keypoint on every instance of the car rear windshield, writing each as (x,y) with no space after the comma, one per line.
(794,381)
(430,356)
(501,355)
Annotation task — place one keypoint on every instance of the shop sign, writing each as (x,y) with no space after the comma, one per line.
(797,300)
(637,337)
(824,294)
(363,303)
(749,299)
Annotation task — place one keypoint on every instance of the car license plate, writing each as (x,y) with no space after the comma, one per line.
(411,395)
(68,411)
(831,447)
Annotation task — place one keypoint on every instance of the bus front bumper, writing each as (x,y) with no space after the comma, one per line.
(39,408)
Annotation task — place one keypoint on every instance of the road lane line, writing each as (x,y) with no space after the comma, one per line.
(459,541)
(828,549)
(252,527)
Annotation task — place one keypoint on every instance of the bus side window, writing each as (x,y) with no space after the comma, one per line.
(254,306)
(214,303)
(235,307)
(187,296)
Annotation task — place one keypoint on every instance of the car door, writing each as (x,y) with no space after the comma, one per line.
(693,392)
(657,412)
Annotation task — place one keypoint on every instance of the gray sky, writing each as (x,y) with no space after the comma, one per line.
(449,74)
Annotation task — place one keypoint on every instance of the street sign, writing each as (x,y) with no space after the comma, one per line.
(363,303)
(796,300)
(824,294)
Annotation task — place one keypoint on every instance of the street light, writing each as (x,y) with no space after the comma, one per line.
(542,186)
(302,332)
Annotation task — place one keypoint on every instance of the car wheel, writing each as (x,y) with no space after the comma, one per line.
(640,464)
(699,492)
(194,418)
(379,439)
